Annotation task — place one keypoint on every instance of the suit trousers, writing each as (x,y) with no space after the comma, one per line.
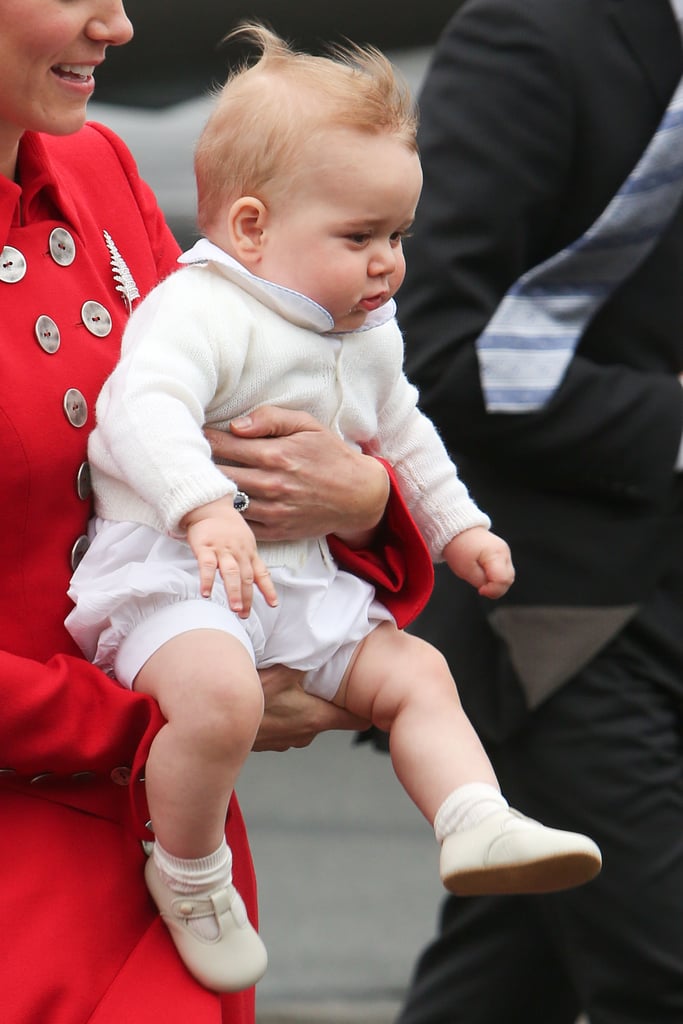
(604,756)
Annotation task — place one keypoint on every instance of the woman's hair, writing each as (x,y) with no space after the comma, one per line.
(269,110)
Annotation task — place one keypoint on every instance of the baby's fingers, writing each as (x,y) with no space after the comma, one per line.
(500,574)
(264,582)
(207,562)
(493,590)
(238,583)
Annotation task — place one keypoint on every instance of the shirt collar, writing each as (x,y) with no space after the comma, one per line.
(293,306)
(678,11)
(38,195)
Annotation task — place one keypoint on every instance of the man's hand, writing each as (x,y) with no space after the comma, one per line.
(302,480)
(292,717)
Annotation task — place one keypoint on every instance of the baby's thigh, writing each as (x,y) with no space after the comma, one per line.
(390,669)
(202,676)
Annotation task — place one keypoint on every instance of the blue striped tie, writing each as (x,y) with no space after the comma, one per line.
(530,340)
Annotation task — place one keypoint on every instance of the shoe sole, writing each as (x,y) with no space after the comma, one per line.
(550,874)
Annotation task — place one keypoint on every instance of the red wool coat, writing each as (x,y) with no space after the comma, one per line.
(82,941)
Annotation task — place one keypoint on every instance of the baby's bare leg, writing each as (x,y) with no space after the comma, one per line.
(207,688)
(403,685)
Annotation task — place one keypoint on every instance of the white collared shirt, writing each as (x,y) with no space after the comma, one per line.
(294,306)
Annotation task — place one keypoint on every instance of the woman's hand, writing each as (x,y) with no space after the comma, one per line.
(302,480)
(293,718)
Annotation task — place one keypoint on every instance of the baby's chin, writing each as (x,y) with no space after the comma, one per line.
(353,320)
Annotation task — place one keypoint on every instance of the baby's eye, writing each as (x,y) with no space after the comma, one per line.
(398,236)
(360,239)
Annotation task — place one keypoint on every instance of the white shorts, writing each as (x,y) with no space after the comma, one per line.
(137,588)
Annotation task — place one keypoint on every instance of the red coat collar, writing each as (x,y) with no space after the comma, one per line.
(39,195)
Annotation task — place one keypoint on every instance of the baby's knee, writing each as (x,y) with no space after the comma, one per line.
(415,674)
(415,659)
(228,704)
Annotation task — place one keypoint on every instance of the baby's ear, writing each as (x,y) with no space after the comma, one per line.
(246,225)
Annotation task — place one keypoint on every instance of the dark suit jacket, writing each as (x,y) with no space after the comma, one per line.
(532,115)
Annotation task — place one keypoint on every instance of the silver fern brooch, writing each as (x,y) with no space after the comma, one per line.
(122,275)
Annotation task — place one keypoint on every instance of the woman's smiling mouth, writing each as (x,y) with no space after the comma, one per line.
(74,72)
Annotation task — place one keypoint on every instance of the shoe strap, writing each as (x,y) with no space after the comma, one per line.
(213,904)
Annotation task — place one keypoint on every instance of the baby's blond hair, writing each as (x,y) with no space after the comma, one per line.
(267,110)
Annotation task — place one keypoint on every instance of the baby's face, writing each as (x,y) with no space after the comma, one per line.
(338,237)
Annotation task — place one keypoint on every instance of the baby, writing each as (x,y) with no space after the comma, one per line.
(308,179)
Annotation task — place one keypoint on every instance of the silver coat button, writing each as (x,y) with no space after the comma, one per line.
(83,481)
(78,550)
(62,247)
(96,318)
(47,334)
(40,778)
(75,407)
(12,265)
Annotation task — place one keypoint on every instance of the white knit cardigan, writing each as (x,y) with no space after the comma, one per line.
(213,342)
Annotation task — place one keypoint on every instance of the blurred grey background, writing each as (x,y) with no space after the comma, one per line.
(178,52)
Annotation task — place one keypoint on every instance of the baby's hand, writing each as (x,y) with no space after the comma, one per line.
(482,559)
(223,542)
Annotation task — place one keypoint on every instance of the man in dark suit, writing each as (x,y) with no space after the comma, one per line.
(533,114)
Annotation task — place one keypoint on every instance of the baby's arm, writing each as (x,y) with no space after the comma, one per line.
(481,558)
(222,542)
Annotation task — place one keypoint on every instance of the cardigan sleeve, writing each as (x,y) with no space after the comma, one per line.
(436,496)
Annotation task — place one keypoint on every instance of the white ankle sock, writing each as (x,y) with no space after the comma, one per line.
(465,807)
(196,877)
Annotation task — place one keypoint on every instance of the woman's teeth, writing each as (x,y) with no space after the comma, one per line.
(79,72)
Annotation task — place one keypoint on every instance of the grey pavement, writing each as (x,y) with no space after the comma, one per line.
(348,882)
